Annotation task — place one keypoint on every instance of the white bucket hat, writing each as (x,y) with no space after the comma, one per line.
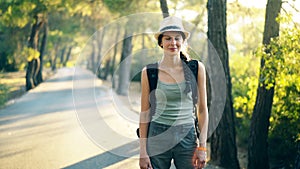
(171,23)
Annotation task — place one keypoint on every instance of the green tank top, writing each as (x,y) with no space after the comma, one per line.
(173,106)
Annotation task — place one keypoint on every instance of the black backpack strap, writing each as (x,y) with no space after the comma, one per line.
(193,65)
(152,73)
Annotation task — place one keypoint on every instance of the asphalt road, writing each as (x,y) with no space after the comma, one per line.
(70,121)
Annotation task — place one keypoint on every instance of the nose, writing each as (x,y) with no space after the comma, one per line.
(173,41)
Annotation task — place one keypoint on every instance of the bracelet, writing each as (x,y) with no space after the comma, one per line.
(201,148)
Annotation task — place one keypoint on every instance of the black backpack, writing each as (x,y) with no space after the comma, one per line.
(152,73)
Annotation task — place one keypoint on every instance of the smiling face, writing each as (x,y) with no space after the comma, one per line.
(171,42)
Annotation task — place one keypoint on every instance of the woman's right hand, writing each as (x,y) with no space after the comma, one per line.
(199,158)
(145,162)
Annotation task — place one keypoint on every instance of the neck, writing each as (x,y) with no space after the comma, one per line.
(170,61)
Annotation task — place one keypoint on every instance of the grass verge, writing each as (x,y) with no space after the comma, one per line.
(12,85)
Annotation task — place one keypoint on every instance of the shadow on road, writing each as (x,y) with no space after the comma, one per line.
(108,158)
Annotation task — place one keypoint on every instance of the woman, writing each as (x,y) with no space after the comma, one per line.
(171,134)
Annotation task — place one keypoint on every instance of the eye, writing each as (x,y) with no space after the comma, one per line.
(178,38)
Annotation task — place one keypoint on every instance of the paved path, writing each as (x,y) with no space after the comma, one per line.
(69,121)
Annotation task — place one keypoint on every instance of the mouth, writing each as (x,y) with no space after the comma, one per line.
(172,49)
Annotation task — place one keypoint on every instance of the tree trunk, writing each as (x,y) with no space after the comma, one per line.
(92,64)
(36,68)
(53,60)
(29,74)
(53,67)
(3,60)
(106,70)
(258,144)
(62,55)
(99,53)
(164,8)
(68,56)
(125,64)
(223,144)
(297,160)
(32,69)
(42,51)
(114,58)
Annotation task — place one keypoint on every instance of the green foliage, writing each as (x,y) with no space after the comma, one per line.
(273,60)
(245,27)
(244,75)
(3,94)
(30,54)
(281,70)
(16,14)
(284,123)
(118,6)
(72,22)
(125,7)
(14,26)
(244,23)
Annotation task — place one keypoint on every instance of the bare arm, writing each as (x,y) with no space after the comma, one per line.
(144,122)
(202,113)
(199,158)
(144,115)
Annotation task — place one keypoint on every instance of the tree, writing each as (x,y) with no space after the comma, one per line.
(223,144)
(124,72)
(40,11)
(42,51)
(114,57)
(164,8)
(124,8)
(258,144)
(34,62)
(99,41)
(125,61)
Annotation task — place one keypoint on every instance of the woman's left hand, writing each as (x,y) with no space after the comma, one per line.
(199,159)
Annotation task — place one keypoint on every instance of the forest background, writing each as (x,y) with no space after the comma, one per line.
(51,34)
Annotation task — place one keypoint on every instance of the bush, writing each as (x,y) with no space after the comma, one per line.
(3,94)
